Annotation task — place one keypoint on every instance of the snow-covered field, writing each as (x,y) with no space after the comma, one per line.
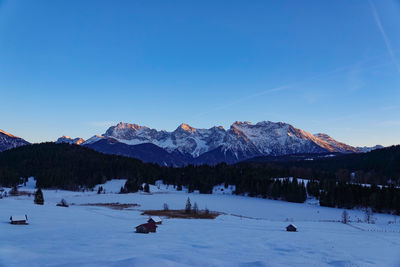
(251,233)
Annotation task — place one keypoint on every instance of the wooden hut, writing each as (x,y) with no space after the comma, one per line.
(155,219)
(291,228)
(146,228)
(63,203)
(18,219)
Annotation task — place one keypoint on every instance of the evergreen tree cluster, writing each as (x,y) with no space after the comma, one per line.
(39,199)
(381,166)
(70,167)
(347,195)
(247,179)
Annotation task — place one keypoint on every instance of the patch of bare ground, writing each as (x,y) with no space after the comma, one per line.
(21,193)
(182,214)
(114,206)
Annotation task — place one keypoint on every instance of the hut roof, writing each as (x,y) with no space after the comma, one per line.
(18,218)
(156,219)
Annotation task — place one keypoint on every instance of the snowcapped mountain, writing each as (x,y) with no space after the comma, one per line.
(69,140)
(241,141)
(366,149)
(335,145)
(185,139)
(8,141)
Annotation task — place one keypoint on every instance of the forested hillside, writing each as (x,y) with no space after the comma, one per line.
(74,167)
(381,166)
(68,166)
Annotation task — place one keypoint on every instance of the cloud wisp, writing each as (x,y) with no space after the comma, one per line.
(299,83)
(383,33)
(276,89)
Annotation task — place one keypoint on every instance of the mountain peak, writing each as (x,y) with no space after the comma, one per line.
(218,127)
(240,123)
(69,140)
(93,139)
(125,125)
(186,127)
(8,141)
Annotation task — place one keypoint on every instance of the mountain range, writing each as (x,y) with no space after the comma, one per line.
(189,145)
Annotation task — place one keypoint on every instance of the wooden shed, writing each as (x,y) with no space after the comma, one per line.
(146,228)
(19,219)
(63,203)
(155,219)
(291,228)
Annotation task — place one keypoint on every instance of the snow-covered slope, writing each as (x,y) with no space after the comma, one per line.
(93,139)
(250,232)
(8,141)
(366,149)
(335,145)
(185,139)
(69,140)
(269,138)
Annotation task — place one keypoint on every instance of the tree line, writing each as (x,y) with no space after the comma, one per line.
(347,195)
(74,167)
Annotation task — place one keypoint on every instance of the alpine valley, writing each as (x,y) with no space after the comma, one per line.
(189,145)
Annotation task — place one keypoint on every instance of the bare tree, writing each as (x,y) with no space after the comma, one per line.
(206,211)
(188,206)
(369,215)
(345,217)
(165,207)
(195,208)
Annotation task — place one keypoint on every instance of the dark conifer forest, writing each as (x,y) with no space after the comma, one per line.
(335,181)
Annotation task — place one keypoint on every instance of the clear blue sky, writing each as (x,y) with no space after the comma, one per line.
(76,67)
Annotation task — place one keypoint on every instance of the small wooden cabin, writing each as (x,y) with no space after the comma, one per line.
(291,228)
(146,228)
(155,219)
(18,219)
(63,203)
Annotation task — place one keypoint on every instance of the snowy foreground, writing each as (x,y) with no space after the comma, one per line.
(251,233)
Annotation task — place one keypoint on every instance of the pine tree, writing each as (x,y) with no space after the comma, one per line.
(188,206)
(147,188)
(39,200)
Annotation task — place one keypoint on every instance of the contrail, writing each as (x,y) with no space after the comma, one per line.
(276,89)
(288,86)
(385,38)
